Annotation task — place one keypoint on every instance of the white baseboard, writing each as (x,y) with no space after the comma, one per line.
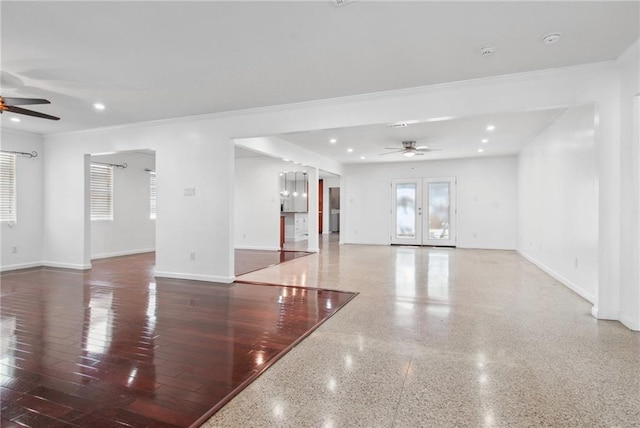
(630,323)
(256,247)
(20,266)
(122,253)
(195,277)
(602,315)
(566,282)
(67,265)
(313,250)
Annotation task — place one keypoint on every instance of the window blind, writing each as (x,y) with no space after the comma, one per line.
(101,192)
(7,187)
(152,195)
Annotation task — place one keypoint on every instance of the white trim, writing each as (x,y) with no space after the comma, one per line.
(313,250)
(601,315)
(565,281)
(256,247)
(630,323)
(122,253)
(479,247)
(67,265)
(373,96)
(195,277)
(20,266)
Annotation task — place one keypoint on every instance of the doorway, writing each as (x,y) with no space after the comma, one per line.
(424,211)
(334,209)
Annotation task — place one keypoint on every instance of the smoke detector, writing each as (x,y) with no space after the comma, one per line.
(487,51)
(551,38)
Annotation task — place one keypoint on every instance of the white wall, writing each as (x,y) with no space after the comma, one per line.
(131,231)
(558,201)
(198,152)
(486,199)
(26,233)
(257,203)
(630,187)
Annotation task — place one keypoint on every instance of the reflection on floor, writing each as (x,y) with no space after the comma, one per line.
(252,260)
(444,338)
(116,347)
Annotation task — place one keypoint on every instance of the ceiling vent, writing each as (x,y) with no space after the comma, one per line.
(339,3)
(398,125)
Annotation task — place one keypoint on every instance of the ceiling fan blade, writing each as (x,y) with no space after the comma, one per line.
(393,148)
(429,150)
(24,101)
(390,153)
(422,147)
(24,111)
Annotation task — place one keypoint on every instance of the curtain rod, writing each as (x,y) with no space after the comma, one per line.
(149,170)
(33,154)
(117,165)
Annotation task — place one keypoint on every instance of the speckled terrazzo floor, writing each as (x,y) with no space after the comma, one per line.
(443,337)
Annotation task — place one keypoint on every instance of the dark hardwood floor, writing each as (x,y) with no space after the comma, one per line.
(115,347)
(252,260)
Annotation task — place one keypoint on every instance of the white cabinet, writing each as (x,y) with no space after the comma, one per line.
(296,226)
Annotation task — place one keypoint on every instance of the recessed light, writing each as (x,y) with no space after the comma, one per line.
(490,127)
(333,141)
(350,150)
(286,160)
(485,140)
(99,106)
(480,150)
(362,158)
(15,119)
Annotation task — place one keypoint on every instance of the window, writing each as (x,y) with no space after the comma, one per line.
(101,192)
(152,195)
(7,187)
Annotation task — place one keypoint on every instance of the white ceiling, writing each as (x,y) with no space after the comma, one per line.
(455,138)
(149,60)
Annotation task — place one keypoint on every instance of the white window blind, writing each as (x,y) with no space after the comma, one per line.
(7,187)
(152,195)
(101,192)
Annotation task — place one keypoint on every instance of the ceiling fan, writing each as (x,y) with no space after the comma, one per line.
(409,149)
(9,104)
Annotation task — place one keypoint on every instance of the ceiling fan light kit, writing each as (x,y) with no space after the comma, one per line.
(409,149)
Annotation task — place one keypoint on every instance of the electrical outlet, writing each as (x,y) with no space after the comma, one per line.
(189,191)
(192,257)
(14,250)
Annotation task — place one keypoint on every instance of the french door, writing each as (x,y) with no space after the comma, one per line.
(424,211)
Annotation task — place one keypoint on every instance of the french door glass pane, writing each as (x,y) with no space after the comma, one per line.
(406,210)
(439,212)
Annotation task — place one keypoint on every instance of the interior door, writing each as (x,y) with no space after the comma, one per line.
(423,211)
